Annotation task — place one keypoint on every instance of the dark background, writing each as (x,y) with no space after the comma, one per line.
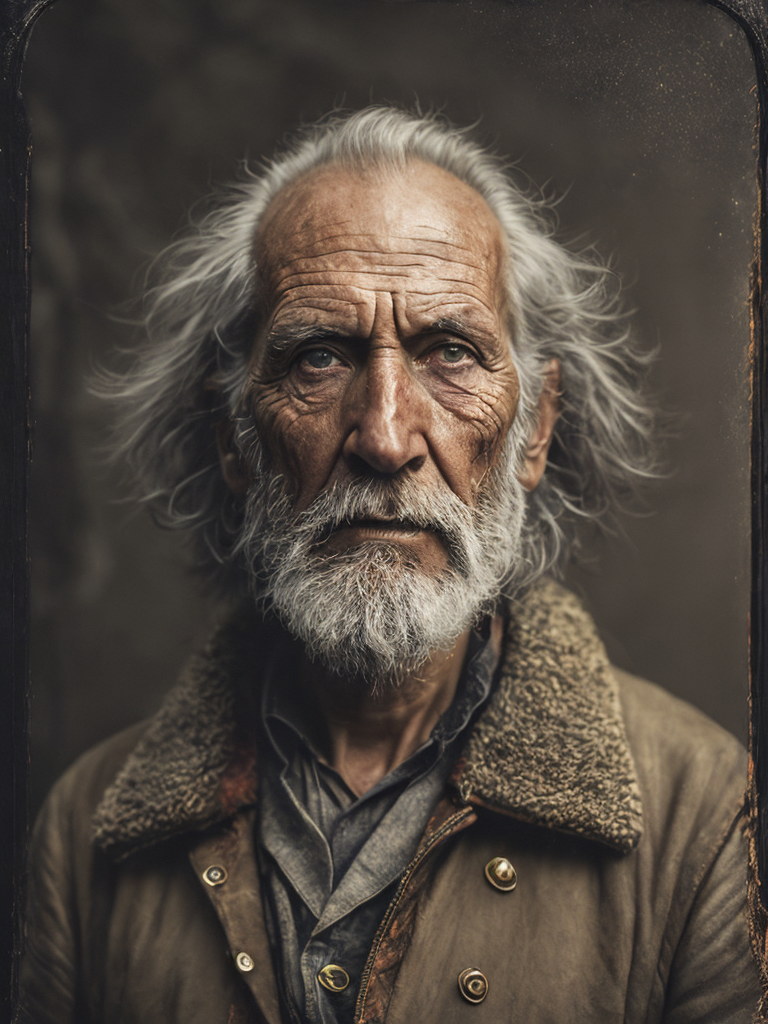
(638,112)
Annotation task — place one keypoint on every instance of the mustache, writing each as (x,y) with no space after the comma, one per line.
(402,501)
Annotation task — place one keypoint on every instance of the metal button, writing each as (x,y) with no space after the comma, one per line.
(473,985)
(244,962)
(215,875)
(333,977)
(501,874)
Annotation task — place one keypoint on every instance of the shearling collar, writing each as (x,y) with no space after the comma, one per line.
(550,748)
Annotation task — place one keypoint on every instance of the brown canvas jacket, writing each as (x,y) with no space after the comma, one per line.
(618,806)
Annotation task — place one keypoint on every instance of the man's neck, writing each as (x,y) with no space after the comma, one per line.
(365,735)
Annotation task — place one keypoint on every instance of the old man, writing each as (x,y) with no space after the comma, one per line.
(402,781)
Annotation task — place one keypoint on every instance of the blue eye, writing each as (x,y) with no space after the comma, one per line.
(453,353)
(320,358)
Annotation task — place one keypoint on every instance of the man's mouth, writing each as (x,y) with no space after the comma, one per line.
(381,527)
(359,529)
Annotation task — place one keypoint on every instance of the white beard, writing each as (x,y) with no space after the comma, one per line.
(373,613)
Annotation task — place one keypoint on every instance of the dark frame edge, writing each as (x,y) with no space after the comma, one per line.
(16,20)
(752,16)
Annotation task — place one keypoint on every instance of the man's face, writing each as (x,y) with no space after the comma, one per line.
(383,511)
(385,352)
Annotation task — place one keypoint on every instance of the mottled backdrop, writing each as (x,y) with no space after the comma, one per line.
(639,113)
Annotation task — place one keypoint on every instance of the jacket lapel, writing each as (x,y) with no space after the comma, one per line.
(551,747)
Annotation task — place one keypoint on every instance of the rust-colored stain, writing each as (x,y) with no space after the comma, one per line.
(239,783)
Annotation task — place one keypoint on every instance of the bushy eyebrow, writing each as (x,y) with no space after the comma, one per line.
(450,325)
(460,328)
(281,339)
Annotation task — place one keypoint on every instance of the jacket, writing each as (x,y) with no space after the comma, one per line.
(619,807)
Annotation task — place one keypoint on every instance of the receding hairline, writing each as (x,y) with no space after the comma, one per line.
(287,202)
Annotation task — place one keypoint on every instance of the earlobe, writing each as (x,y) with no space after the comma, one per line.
(538,447)
(233,467)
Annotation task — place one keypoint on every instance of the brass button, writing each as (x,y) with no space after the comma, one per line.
(333,977)
(501,874)
(473,985)
(215,875)
(244,962)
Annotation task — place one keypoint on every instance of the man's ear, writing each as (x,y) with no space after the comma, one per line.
(538,446)
(233,466)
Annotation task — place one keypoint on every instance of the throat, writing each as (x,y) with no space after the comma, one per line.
(365,735)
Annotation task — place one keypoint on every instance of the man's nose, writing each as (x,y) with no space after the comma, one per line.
(387,417)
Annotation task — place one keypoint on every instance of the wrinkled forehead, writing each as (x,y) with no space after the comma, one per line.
(418,209)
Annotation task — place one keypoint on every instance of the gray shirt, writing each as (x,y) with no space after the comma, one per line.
(330,860)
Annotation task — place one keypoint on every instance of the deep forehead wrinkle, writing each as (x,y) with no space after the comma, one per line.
(386,264)
(293,300)
(301,232)
(393,246)
(384,256)
(396,270)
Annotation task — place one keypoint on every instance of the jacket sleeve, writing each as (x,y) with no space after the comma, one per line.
(714,977)
(48,974)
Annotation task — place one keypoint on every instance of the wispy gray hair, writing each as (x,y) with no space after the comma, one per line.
(201,315)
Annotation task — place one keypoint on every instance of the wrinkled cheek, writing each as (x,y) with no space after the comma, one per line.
(483,430)
(488,447)
(273,418)
(503,423)
(292,439)
(503,403)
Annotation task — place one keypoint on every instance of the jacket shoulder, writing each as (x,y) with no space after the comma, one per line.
(692,772)
(78,791)
(655,719)
(61,870)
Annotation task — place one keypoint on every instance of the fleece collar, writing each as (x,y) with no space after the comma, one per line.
(550,748)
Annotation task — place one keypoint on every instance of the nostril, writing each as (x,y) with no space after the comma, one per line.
(362,466)
(415,464)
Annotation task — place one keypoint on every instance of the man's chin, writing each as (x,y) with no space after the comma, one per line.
(367,615)
(417,550)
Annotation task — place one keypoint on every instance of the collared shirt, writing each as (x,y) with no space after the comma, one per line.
(331,860)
